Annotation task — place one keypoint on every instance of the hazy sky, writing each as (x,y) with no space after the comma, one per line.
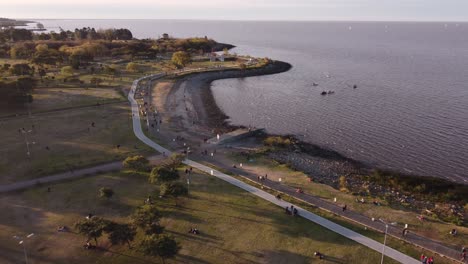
(419,10)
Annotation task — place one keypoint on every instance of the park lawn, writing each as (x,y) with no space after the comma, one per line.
(236,227)
(55,98)
(70,143)
(431,227)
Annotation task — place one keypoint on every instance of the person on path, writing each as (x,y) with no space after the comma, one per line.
(344,207)
(266,176)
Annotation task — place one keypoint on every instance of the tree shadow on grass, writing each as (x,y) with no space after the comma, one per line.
(190,259)
(134,259)
(283,256)
(202,237)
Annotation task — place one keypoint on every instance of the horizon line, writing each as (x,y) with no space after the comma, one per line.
(258,20)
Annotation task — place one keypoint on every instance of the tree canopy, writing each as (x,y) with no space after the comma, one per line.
(162,246)
(180,59)
(163,174)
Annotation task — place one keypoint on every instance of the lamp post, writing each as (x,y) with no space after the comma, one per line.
(27,141)
(385,240)
(23,243)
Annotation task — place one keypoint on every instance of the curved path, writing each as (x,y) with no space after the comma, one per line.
(370,243)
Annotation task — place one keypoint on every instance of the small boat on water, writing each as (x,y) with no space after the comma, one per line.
(354,86)
(331,92)
(315,84)
(323,93)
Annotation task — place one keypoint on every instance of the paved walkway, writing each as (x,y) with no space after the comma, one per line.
(71,174)
(396,255)
(336,208)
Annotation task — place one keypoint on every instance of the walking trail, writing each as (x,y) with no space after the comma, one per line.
(370,243)
(356,217)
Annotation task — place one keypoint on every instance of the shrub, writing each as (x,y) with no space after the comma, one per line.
(138,163)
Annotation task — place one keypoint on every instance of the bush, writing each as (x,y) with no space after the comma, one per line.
(138,163)
(105,192)
(277,141)
(162,174)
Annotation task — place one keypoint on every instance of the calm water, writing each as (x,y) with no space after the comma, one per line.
(410,109)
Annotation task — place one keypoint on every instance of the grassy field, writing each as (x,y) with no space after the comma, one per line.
(431,227)
(236,227)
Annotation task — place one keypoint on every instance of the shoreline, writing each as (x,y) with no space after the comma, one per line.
(323,165)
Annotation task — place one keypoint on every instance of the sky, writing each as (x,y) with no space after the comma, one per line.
(349,10)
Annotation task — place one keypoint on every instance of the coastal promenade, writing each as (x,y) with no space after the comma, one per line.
(310,199)
(370,243)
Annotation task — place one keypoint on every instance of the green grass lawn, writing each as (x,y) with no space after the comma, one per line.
(431,228)
(69,142)
(236,227)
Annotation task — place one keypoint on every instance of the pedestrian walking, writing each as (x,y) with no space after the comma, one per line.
(344,207)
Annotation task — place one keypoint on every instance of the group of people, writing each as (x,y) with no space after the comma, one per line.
(262,178)
(427,260)
(291,210)
(194,231)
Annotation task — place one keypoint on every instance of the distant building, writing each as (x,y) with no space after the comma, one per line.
(165,36)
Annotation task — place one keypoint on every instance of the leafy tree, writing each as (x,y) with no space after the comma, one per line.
(162,246)
(21,69)
(147,218)
(106,192)
(42,47)
(42,72)
(174,189)
(162,174)
(67,70)
(121,234)
(132,67)
(175,160)
(92,228)
(46,56)
(21,51)
(95,81)
(138,163)
(180,59)
(122,34)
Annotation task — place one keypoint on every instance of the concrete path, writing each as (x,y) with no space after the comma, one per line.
(396,255)
(69,175)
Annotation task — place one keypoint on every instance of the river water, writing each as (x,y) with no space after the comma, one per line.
(409,111)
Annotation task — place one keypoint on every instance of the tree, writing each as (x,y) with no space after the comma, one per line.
(106,192)
(162,174)
(162,246)
(95,81)
(138,163)
(180,59)
(120,234)
(67,70)
(21,69)
(242,66)
(132,67)
(42,72)
(147,218)
(174,189)
(92,228)
(175,160)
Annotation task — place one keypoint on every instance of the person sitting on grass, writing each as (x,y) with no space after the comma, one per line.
(318,255)
(62,229)
(453,232)
(194,231)
(89,246)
